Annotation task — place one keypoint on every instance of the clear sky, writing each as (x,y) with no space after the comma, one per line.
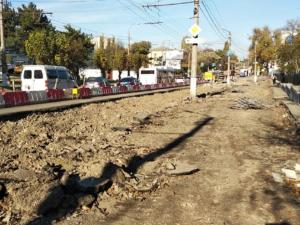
(116,17)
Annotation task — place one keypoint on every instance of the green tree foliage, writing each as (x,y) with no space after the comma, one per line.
(206,58)
(19,23)
(187,52)
(289,50)
(41,46)
(73,49)
(139,55)
(120,59)
(266,47)
(70,48)
(10,26)
(103,55)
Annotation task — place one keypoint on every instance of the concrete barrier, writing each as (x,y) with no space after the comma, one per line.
(37,96)
(2,102)
(123,89)
(296,94)
(96,91)
(129,88)
(16,98)
(55,94)
(106,90)
(84,92)
(136,87)
(115,90)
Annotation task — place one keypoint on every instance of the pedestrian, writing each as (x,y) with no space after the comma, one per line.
(232,75)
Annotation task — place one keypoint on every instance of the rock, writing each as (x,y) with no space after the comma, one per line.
(142,117)
(291,174)
(24,175)
(148,187)
(2,191)
(85,200)
(216,202)
(170,166)
(7,218)
(277,178)
(70,183)
(183,168)
(94,185)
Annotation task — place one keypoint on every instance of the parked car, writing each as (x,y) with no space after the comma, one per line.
(43,77)
(128,81)
(96,82)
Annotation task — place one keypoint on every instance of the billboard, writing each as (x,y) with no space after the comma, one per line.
(173,63)
(174,55)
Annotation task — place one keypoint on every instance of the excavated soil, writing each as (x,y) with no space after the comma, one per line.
(112,163)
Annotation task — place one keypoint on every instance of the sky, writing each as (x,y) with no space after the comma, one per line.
(118,17)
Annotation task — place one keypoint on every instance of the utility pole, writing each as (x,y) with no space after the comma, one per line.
(255,59)
(229,60)
(193,87)
(2,47)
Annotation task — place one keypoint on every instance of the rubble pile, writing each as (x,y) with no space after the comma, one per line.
(289,178)
(247,103)
(74,158)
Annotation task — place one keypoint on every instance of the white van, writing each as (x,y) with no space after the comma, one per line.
(43,77)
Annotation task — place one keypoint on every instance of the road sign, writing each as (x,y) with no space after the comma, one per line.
(191,41)
(195,30)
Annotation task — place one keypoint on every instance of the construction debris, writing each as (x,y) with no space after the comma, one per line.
(183,168)
(290,178)
(247,103)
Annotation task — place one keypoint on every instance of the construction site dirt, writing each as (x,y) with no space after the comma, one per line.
(153,160)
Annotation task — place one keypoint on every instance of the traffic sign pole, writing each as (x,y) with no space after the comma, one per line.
(195,32)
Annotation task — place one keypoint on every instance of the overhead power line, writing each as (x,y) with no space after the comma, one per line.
(167,4)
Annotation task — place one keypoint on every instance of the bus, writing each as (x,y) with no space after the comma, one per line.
(156,75)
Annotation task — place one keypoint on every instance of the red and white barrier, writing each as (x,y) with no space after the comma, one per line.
(123,89)
(84,93)
(37,96)
(16,98)
(2,102)
(106,90)
(55,94)
(22,98)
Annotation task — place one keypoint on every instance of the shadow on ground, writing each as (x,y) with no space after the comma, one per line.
(289,136)
(71,200)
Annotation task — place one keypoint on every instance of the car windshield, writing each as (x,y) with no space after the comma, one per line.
(60,74)
(95,79)
(63,74)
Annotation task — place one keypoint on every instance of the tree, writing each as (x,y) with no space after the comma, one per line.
(71,48)
(10,26)
(29,18)
(120,60)
(187,52)
(139,55)
(265,47)
(41,46)
(104,55)
(289,51)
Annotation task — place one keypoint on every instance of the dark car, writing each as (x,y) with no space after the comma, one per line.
(128,81)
